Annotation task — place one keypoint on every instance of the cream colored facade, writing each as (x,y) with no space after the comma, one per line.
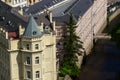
(91,23)
(16,3)
(31,2)
(20,3)
(28,57)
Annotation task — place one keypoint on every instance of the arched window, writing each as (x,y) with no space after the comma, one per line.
(37,74)
(36,60)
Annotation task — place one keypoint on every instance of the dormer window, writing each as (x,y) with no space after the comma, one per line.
(34,32)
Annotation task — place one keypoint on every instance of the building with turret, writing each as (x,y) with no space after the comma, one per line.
(28,52)
(89,17)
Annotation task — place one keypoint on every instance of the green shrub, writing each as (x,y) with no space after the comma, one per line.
(69,69)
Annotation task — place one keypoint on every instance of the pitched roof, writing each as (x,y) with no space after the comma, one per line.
(78,9)
(40,6)
(32,29)
(12,19)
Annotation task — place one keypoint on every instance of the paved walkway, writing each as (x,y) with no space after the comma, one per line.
(103,64)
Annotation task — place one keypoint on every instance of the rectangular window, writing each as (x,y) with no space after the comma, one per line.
(27,46)
(37,74)
(36,46)
(27,60)
(36,60)
(28,74)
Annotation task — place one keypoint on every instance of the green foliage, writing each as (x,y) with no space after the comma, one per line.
(70,69)
(72,49)
(118,31)
(73,43)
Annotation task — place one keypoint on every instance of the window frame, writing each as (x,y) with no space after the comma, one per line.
(28,61)
(37,60)
(28,46)
(36,46)
(28,74)
(37,74)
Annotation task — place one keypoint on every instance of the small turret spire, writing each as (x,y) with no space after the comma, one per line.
(32,29)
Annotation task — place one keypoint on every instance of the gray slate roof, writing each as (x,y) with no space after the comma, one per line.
(42,18)
(77,10)
(61,9)
(40,6)
(60,13)
(11,16)
(32,29)
(16,19)
(80,8)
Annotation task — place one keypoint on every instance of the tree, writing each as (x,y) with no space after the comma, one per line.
(70,69)
(73,45)
(72,48)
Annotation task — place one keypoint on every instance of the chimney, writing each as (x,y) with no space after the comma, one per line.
(50,16)
(53,25)
(20,30)
(41,27)
(6,35)
(21,11)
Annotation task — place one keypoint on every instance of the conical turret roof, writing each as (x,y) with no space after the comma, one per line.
(32,29)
